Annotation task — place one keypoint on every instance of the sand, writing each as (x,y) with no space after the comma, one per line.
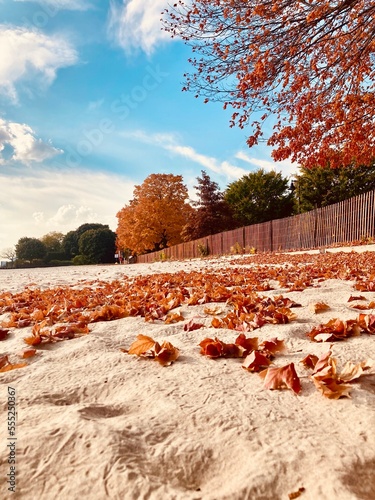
(95,422)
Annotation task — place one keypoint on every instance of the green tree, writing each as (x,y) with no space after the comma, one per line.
(30,249)
(322,186)
(70,243)
(98,245)
(211,212)
(259,197)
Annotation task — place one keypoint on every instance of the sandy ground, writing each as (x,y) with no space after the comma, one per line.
(95,422)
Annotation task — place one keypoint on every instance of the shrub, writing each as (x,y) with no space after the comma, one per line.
(81,260)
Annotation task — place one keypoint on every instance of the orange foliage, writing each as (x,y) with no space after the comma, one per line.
(155,216)
(309,64)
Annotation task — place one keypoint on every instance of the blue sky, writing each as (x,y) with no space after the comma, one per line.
(90,105)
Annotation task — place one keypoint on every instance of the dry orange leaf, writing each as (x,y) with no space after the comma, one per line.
(166,353)
(281,378)
(28,353)
(146,347)
(273,346)
(6,365)
(318,307)
(213,310)
(140,346)
(255,362)
(215,348)
(309,361)
(173,318)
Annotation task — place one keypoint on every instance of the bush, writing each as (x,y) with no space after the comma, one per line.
(81,260)
(203,250)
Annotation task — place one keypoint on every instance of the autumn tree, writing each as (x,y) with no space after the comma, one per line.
(322,186)
(211,212)
(310,65)
(260,196)
(154,218)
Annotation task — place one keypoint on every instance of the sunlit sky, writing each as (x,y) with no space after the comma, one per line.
(90,105)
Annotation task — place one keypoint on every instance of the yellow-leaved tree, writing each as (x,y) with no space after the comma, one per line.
(154,218)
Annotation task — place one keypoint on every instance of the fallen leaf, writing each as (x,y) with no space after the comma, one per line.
(318,307)
(6,365)
(213,310)
(249,344)
(296,494)
(28,353)
(166,353)
(359,297)
(281,378)
(215,348)
(3,333)
(273,346)
(309,361)
(147,347)
(255,362)
(173,318)
(192,325)
(140,346)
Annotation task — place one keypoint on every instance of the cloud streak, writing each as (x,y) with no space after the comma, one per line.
(30,55)
(62,4)
(285,166)
(136,24)
(170,143)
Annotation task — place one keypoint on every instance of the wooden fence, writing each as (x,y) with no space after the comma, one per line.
(348,221)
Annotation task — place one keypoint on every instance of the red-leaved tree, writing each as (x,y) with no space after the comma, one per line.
(310,64)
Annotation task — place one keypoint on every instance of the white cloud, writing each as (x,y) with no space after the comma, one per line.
(170,143)
(68,215)
(29,55)
(58,200)
(136,24)
(54,5)
(285,166)
(26,148)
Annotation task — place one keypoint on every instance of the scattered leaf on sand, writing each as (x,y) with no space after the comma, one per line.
(281,378)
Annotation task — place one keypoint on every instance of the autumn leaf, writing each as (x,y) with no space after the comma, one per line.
(147,347)
(255,362)
(166,353)
(192,325)
(367,322)
(352,371)
(273,346)
(331,388)
(335,329)
(359,297)
(142,345)
(28,353)
(249,344)
(215,348)
(6,365)
(213,310)
(3,333)
(173,318)
(281,378)
(295,494)
(310,361)
(318,307)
